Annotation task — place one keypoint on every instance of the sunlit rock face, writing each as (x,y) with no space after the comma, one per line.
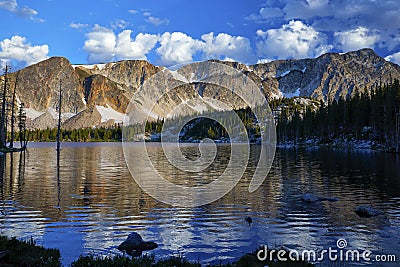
(38,85)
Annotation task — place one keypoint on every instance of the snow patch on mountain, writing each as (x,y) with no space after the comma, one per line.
(293,94)
(178,76)
(92,66)
(32,113)
(283,74)
(108,113)
(64,116)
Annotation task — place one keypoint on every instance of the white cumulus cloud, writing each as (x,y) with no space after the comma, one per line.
(18,49)
(340,17)
(227,47)
(136,49)
(100,44)
(103,45)
(355,39)
(177,47)
(292,40)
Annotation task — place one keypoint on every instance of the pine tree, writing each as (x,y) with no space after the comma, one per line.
(22,126)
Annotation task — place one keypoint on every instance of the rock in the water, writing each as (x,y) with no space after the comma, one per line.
(367,211)
(310,198)
(330,199)
(134,245)
(248,219)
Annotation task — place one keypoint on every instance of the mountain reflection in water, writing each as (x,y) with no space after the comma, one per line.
(91,203)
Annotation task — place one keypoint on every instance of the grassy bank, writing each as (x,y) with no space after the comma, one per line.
(248,260)
(14,252)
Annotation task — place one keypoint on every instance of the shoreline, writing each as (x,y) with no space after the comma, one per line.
(337,143)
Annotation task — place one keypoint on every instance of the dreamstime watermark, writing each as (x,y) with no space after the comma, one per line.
(339,253)
(196,90)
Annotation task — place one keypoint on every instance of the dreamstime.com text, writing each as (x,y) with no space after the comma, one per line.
(340,253)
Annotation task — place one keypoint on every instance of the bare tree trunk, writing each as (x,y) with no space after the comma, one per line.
(13,115)
(3,112)
(59,120)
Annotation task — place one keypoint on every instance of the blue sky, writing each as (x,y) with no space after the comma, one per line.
(168,32)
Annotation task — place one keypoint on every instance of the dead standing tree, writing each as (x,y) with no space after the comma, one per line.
(3,117)
(13,113)
(59,118)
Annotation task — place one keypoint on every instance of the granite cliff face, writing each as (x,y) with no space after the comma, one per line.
(38,86)
(105,92)
(98,95)
(329,76)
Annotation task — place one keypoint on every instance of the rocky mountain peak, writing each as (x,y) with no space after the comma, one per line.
(327,77)
(103,91)
(39,84)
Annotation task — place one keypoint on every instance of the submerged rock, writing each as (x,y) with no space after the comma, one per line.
(310,198)
(134,245)
(330,199)
(248,219)
(367,211)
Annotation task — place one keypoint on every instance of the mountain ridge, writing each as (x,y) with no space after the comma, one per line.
(96,95)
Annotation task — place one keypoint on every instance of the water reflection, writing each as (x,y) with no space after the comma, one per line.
(84,199)
(17,219)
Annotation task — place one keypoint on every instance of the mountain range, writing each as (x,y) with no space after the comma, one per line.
(98,95)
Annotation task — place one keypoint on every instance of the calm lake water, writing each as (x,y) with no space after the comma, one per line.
(93,203)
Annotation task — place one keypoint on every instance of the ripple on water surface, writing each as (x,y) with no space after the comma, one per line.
(93,204)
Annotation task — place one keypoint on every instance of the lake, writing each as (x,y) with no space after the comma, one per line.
(91,203)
